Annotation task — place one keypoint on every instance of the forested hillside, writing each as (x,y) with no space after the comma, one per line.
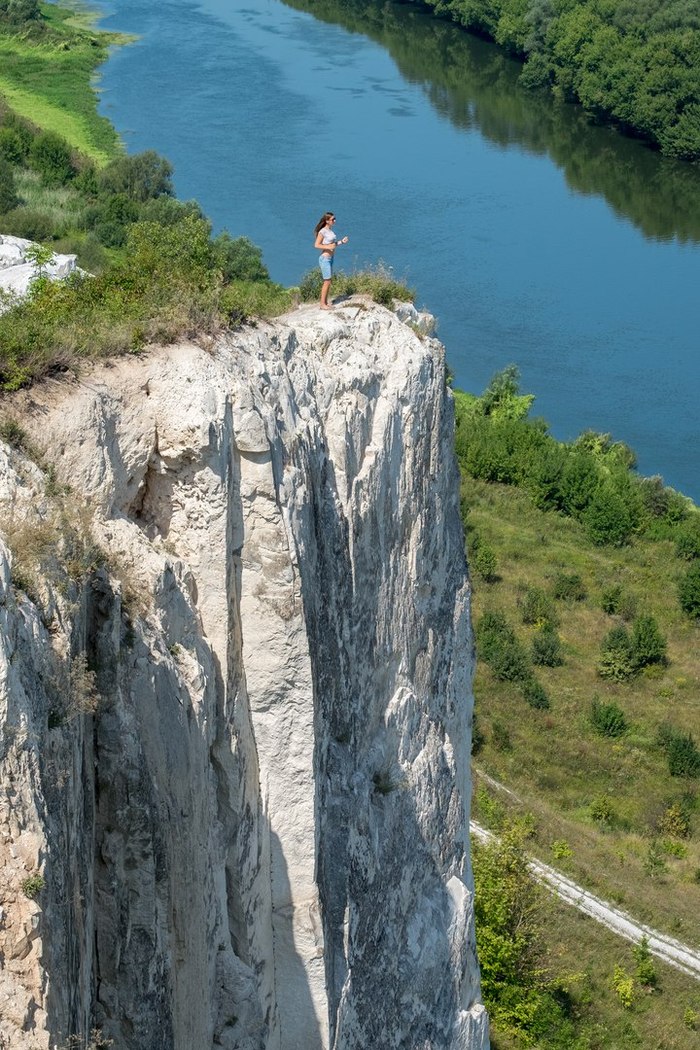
(635,62)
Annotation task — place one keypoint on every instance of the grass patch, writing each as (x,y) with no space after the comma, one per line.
(379,283)
(48,77)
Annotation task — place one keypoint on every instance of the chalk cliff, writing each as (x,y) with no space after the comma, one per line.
(235,699)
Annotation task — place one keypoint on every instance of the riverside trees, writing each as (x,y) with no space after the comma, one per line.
(635,62)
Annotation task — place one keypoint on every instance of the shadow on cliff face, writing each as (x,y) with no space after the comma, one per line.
(294,999)
(386,616)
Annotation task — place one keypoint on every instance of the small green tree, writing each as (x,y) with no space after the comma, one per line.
(19,12)
(546,648)
(535,694)
(607,719)
(610,599)
(483,561)
(50,155)
(607,517)
(492,632)
(617,656)
(646,971)
(648,643)
(510,663)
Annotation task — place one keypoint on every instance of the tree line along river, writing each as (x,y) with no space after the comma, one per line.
(535,237)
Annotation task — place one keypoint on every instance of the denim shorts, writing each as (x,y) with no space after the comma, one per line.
(326,264)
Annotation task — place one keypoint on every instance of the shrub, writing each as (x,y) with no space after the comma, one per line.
(310,285)
(607,719)
(546,648)
(681,751)
(33,885)
(675,820)
(602,811)
(50,155)
(537,608)
(579,480)
(610,599)
(683,756)
(617,657)
(568,587)
(535,694)
(483,562)
(509,662)
(8,190)
(167,211)
(623,986)
(607,517)
(510,912)
(654,863)
(13,146)
(648,644)
(561,850)
(689,591)
(491,632)
(688,539)
(19,12)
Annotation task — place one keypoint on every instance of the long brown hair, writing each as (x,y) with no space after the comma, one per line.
(323,220)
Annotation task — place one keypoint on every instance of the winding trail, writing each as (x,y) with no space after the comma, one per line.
(663,947)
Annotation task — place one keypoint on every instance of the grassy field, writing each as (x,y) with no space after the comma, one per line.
(48,78)
(599,805)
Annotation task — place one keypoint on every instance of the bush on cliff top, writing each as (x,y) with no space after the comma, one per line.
(167,284)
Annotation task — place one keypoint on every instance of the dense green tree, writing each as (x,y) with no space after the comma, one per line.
(239,259)
(50,155)
(140,176)
(607,517)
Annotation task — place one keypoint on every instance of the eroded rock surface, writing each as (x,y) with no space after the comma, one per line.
(236,722)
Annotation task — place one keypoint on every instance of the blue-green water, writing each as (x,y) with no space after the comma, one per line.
(533,237)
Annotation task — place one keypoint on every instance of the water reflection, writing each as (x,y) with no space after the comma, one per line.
(470,82)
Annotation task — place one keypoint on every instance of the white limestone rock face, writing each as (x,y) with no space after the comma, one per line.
(258,839)
(17,272)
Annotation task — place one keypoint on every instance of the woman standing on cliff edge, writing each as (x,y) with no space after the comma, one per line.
(326,242)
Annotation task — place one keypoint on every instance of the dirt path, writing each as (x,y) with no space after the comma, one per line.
(663,947)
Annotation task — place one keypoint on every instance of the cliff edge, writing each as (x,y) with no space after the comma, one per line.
(235,699)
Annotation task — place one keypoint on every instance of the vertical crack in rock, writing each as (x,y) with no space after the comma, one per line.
(255,838)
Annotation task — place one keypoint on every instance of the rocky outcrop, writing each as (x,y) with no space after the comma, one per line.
(236,699)
(17,270)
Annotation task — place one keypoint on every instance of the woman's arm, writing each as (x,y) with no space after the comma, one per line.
(329,246)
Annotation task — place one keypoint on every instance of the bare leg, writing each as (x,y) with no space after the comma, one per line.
(325,288)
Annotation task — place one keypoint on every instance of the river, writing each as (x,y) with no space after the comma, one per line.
(534,237)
